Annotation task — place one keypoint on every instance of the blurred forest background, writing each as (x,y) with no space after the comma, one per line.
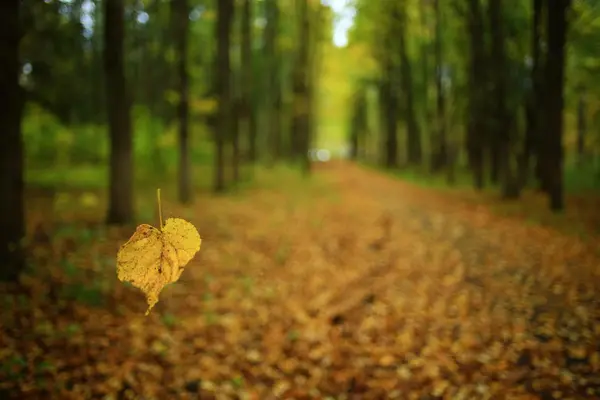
(230,107)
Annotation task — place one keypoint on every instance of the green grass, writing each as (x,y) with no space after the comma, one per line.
(439,181)
(81,177)
(93,181)
(420,177)
(578,179)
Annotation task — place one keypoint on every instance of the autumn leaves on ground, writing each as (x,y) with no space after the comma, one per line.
(352,284)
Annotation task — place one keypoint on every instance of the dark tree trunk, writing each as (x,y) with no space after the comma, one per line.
(247,108)
(390,107)
(501,118)
(498,125)
(12,220)
(440,146)
(300,123)
(533,107)
(153,88)
(581,127)
(236,125)
(181,22)
(120,208)
(353,143)
(476,127)
(538,121)
(424,88)
(555,74)
(413,136)
(358,124)
(495,157)
(382,157)
(314,35)
(273,90)
(223,88)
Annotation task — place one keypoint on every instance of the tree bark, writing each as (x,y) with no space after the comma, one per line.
(501,117)
(300,123)
(534,101)
(273,90)
(555,74)
(427,113)
(358,125)
(440,146)
(12,220)
(476,129)
(413,136)
(390,107)
(181,22)
(223,87)
(248,111)
(120,208)
(236,125)
(581,127)
(538,121)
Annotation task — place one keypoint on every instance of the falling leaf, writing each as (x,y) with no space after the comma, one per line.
(153,258)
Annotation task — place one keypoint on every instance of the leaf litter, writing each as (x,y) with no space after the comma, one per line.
(392,291)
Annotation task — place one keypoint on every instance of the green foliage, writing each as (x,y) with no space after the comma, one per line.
(582,177)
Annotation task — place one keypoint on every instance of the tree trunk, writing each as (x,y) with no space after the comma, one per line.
(476,132)
(273,90)
(353,141)
(424,88)
(413,136)
(440,146)
(120,208)
(581,128)
(358,125)
(180,24)
(236,125)
(555,73)
(314,13)
(498,124)
(533,107)
(500,114)
(538,121)
(382,95)
(152,86)
(223,88)
(247,107)
(390,106)
(494,149)
(300,123)
(12,220)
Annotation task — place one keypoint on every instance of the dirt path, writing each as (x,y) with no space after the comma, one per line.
(355,286)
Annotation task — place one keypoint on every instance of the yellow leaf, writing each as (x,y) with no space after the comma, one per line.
(387,360)
(153,258)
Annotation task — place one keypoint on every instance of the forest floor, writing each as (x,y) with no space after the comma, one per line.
(355,285)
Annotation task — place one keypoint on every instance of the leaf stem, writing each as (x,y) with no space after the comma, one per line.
(159,208)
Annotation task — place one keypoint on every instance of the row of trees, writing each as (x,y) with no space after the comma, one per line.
(492,69)
(91,61)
